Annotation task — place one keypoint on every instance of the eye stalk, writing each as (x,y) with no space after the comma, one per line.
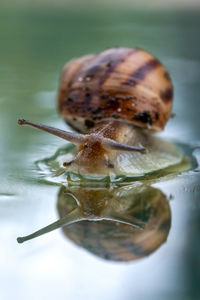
(79,139)
(74,138)
(111,144)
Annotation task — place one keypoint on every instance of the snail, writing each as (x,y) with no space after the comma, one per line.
(115,100)
(133,221)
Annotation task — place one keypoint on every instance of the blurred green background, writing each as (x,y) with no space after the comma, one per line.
(36,40)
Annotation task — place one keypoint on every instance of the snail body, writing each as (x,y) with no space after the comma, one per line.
(115,100)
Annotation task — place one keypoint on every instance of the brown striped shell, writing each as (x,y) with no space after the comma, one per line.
(121,83)
(110,239)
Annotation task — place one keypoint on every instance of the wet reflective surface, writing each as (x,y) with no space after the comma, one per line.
(33,50)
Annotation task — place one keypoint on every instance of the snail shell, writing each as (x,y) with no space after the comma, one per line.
(129,84)
(113,240)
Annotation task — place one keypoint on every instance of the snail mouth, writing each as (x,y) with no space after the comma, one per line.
(83,164)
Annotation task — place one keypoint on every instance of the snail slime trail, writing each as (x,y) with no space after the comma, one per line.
(115,100)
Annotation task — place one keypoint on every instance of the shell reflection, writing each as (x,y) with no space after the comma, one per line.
(111,239)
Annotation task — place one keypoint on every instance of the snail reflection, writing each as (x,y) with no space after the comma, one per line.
(146,208)
(120,224)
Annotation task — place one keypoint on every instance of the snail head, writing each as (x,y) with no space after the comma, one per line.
(94,150)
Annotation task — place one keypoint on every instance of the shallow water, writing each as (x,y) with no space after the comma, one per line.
(34,46)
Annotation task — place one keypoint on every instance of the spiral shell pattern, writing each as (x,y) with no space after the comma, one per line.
(129,84)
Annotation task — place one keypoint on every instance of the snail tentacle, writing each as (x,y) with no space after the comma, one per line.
(73,137)
(111,144)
